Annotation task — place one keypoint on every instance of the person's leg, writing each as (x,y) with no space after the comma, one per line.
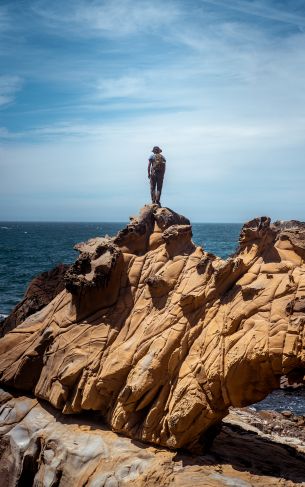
(160,177)
(153,181)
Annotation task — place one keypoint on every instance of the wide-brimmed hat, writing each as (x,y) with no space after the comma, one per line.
(157,149)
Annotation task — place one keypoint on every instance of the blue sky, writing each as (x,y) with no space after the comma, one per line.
(88,87)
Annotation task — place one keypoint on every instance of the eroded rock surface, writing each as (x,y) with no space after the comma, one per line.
(161,337)
(41,447)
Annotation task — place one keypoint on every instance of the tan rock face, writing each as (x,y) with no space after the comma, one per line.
(161,337)
(41,447)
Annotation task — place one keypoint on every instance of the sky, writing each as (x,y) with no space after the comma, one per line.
(88,87)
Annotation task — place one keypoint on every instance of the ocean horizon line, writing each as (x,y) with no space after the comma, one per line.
(110,221)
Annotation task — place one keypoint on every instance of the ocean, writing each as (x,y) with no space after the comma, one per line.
(27,249)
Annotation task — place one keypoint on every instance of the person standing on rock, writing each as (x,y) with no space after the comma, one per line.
(156,170)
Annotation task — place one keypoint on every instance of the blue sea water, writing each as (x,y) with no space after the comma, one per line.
(284,400)
(27,249)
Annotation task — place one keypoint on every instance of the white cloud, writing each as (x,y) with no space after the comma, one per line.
(109,18)
(4,19)
(224,98)
(230,171)
(263,9)
(126,86)
(185,128)
(9,86)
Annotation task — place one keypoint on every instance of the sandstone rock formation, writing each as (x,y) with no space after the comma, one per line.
(160,337)
(41,447)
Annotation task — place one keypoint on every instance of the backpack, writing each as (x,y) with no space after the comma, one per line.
(158,163)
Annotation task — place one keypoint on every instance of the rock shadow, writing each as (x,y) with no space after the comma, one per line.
(102,312)
(246,451)
(271,255)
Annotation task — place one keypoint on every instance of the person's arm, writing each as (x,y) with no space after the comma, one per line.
(149,166)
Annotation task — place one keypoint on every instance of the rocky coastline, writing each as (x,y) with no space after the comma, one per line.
(136,363)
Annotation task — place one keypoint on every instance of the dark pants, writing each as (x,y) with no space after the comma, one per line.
(156,181)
